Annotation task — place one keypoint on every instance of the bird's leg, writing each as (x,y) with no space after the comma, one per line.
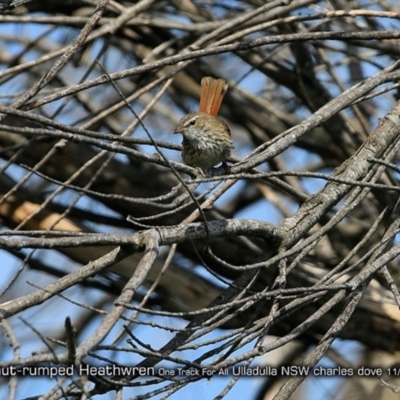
(226,168)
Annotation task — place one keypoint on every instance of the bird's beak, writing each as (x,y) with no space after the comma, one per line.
(178,130)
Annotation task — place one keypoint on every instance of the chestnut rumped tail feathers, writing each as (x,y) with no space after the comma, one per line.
(212,93)
(206,138)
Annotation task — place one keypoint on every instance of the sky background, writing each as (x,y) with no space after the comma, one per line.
(315,389)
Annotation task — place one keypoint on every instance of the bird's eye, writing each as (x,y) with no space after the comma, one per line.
(192,122)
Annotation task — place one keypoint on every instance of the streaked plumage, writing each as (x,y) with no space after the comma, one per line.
(206,138)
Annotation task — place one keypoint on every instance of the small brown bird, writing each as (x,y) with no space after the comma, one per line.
(206,138)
